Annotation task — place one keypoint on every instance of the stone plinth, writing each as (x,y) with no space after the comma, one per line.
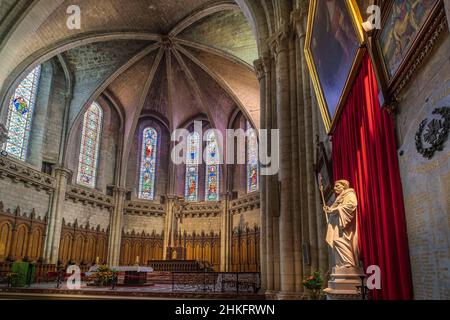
(343,284)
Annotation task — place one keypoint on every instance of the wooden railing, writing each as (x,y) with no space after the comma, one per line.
(179,265)
(231,282)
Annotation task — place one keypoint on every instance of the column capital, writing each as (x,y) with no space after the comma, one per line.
(62,171)
(3,134)
(119,191)
(262,67)
(278,42)
(226,195)
(118,188)
(299,18)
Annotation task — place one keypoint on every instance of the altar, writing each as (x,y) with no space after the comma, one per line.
(133,275)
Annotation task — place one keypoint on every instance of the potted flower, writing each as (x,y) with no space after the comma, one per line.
(314,285)
(103,276)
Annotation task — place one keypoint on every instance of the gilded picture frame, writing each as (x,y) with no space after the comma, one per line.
(400,34)
(334,48)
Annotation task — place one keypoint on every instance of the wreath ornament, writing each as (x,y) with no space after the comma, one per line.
(434,133)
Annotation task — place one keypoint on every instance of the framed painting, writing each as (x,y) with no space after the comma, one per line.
(334,48)
(404,24)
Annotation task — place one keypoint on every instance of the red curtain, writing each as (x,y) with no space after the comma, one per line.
(365,154)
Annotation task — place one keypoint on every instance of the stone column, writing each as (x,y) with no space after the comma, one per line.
(225,233)
(279,43)
(115,226)
(38,127)
(271,186)
(54,223)
(261,71)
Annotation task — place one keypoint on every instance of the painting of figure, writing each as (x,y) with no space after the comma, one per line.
(406,20)
(334,44)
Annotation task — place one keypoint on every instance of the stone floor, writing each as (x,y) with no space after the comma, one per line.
(49,290)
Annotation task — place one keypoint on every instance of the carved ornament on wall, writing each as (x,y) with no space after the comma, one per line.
(434,132)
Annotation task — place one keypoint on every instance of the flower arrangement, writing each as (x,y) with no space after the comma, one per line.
(314,284)
(103,276)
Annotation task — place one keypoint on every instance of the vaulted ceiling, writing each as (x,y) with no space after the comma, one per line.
(177,59)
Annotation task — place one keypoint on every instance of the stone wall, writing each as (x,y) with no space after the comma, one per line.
(23,186)
(249,218)
(86,213)
(201,224)
(425,182)
(14,194)
(139,223)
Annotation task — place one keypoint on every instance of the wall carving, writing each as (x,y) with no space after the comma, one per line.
(434,133)
(246,203)
(144,208)
(202,210)
(85,196)
(20,172)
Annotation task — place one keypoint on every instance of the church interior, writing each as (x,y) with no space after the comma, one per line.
(349,100)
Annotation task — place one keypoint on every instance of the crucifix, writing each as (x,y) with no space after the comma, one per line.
(178,207)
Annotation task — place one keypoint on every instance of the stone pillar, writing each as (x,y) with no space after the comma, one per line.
(54,224)
(261,70)
(38,127)
(271,192)
(225,234)
(299,185)
(279,43)
(115,226)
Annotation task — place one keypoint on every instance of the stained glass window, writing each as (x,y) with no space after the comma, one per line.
(148,164)
(90,143)
(20,114)
(252,160)
(192,161)
(212,169)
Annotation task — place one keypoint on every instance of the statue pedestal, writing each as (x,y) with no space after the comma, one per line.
(343,284)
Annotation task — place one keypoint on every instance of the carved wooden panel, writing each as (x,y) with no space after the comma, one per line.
(201,247)
(140,247)
(21,235)
(82,245)
(245,250)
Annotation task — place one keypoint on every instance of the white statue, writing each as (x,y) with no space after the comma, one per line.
(342,226)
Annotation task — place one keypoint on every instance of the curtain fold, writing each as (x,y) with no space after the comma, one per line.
(365,154)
